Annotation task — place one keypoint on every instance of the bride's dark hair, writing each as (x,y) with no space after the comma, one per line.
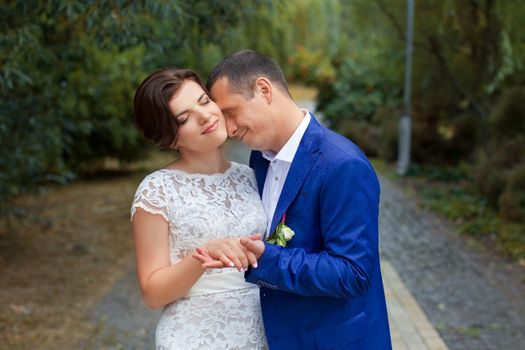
(151,110)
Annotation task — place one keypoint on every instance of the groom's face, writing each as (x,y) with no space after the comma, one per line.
(247,118)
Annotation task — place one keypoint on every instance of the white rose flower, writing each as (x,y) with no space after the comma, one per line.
(287,233)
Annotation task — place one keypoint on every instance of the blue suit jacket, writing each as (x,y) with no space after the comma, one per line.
(324,290)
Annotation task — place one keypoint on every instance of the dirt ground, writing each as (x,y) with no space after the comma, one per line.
(72,244)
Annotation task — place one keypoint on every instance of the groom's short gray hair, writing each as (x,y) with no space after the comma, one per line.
(243,68)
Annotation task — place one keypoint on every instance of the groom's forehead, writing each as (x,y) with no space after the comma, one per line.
(224,96)
(221,87)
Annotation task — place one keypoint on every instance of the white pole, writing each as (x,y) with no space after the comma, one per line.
(405,122)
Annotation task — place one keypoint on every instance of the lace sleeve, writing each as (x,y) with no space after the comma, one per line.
(151,197)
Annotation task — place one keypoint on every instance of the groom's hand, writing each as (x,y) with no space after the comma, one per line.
(256,246)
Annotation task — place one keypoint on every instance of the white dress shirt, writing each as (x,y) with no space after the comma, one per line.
(278,170)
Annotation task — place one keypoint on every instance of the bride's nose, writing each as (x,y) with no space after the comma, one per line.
(204,117)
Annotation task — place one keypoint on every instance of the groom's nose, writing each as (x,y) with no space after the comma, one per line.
(231,127)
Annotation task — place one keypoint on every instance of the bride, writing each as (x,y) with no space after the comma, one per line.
(201,199)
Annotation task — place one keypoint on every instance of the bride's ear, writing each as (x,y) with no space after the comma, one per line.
(263,86)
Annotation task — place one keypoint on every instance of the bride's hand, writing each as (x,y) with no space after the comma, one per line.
(226,252)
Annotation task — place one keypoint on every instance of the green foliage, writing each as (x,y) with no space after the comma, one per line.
(97,106)
(58,61)
(512,200)
(303,36)
(69,71)
(446,174)
(451,191)
(468,90)
(387,119)
(359,104)
(471,212)
(310,67)
(500,164)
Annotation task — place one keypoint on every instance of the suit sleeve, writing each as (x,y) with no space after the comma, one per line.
(349,207)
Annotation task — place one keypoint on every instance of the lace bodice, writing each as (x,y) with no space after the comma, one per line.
(199,208)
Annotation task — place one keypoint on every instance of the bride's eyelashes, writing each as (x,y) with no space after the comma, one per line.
(182,121)
(205,101)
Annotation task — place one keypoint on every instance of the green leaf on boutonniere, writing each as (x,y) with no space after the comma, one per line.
(281,235)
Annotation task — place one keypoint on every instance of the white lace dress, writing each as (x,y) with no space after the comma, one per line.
(198,208)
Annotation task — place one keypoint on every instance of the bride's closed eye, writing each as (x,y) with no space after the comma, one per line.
(206,100)
(183,119)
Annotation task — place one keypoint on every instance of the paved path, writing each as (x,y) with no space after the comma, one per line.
(439,288)
(472,297)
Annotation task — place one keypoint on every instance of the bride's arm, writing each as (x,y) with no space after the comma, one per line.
(160,282)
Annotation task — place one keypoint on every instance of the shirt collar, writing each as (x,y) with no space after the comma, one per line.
(287,153)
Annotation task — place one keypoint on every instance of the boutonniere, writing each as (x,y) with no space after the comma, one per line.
(282,234)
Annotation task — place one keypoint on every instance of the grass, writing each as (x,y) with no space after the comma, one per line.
(449,192)
(70,247)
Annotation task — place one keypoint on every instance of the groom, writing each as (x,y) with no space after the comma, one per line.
(324,289)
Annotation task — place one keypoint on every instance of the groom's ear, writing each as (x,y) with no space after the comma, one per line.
(263,86)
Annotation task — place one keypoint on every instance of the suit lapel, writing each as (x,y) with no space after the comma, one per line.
(260,166)
(301,165)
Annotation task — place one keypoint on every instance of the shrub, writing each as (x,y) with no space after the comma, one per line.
(512,200)
(359,105)
(500,166)
(387,119)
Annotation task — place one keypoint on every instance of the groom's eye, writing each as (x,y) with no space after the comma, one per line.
(228,112)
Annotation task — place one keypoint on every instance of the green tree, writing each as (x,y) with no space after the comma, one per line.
(68,73)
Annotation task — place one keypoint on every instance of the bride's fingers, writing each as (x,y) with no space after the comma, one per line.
(201,258)
(203,251)
(234,257)
(241,255)
(226,260)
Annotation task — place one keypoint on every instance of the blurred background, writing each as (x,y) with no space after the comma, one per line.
(70,157)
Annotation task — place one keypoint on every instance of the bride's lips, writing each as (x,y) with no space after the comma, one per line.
(213,126)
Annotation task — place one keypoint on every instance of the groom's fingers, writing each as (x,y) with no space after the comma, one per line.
(252,260)
(254,237)
(256,247)
(215,264)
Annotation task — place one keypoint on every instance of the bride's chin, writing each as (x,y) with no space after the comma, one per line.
(222,137)
(218,142)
